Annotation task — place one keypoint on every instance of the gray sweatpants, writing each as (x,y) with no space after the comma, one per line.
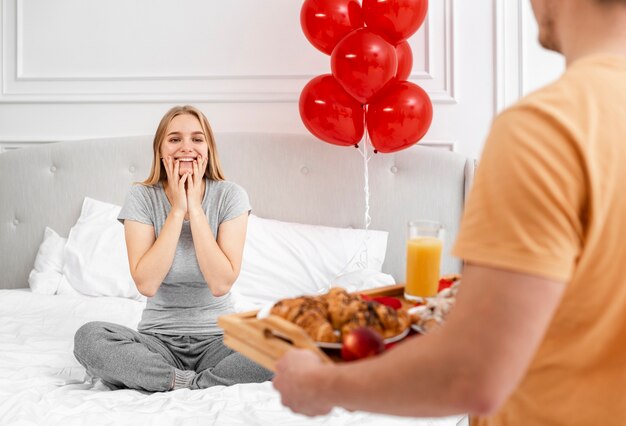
(125,358)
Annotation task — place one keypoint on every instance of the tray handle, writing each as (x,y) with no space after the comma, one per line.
(298,337)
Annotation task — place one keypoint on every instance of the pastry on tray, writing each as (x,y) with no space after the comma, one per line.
(325,318)
(387,321)
(434,311)
(309,313)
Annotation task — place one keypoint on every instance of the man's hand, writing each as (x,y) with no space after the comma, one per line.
(298,379)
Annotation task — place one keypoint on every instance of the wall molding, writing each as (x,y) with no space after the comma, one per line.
(509,52)
(19,85)
(447,95)
(11,146)
(24,142)
(448,145)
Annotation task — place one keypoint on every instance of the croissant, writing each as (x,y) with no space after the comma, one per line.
(339,310)
(342,306)
(384,319)
(290,309)
(393,321)
(310,314)
(317,327)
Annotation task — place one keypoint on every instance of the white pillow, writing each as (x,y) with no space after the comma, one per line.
(363,279)
(47,271)
(96,262)
(283,259)
(65,289)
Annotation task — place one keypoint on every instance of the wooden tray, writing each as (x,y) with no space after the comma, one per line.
(266,340)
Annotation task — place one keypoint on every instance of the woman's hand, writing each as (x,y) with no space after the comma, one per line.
(194,185)
(176,184)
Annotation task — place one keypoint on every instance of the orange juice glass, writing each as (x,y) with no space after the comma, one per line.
(423,259)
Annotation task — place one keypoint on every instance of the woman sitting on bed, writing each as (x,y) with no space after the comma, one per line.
(185,229)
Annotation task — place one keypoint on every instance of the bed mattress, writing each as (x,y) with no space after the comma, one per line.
(41,383)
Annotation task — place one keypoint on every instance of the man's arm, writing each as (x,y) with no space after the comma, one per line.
(471,365)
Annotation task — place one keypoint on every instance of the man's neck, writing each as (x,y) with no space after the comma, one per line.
(601,29)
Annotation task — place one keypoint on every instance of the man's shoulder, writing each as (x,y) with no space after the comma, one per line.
(557,95)
(560,103)
(582,85)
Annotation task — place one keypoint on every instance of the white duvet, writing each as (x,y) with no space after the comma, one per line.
(41,382)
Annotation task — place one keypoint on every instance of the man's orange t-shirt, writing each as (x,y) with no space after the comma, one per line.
(549,199)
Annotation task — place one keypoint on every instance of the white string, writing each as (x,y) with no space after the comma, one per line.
(362,253)
(363,258)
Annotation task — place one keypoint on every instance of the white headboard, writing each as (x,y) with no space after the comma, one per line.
(288,177)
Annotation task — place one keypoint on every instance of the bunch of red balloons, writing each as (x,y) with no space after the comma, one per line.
(370,62)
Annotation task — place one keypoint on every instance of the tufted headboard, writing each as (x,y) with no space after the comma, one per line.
(288,177)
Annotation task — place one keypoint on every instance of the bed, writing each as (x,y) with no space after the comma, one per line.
(298,186)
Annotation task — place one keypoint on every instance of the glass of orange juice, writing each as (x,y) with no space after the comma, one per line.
(423,259)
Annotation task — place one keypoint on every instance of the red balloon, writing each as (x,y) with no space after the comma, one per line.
(399,117)
(325,22)
(330,113)
(363,62)
(395,20)
(405,60)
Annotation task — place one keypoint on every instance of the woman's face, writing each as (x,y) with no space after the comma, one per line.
(185,141)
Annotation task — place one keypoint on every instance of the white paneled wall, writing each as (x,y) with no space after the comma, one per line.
(74,69)
(522,65)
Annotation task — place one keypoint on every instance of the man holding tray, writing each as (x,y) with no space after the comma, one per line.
(537,334)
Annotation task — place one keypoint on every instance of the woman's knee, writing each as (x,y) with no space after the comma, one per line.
(87,337)
(250,371)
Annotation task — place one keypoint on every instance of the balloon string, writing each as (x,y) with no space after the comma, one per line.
(361,252)
(366,158)
(363,262)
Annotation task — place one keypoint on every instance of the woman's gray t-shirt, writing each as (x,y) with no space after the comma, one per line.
(184,305)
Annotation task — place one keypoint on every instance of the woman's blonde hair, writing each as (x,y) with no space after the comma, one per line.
(157,172)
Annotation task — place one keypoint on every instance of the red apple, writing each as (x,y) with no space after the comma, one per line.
(362,342)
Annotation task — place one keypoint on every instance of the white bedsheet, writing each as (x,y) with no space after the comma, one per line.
(42,383)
